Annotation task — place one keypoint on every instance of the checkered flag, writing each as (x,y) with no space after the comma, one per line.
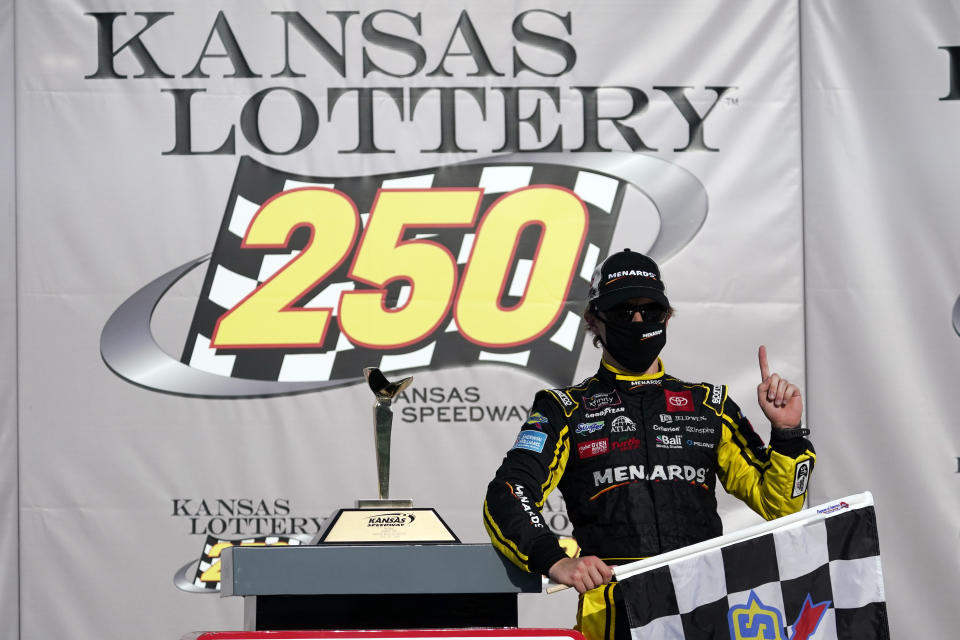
(235,272)
(816,576)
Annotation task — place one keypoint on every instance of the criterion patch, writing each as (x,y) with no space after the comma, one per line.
(531,441)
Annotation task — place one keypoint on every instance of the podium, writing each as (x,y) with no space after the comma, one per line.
(364,586)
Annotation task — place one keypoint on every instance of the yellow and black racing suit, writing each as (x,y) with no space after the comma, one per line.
(637,459)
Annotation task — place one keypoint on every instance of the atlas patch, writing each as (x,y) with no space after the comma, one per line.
(531,441)
(621,424)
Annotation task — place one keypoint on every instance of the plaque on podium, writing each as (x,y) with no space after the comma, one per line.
(384,520)
(385,526)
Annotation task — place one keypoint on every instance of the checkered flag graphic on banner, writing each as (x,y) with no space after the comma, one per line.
(818,580)
(207,575)
(234,273)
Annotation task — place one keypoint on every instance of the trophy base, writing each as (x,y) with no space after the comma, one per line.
(385,524)
(383,504)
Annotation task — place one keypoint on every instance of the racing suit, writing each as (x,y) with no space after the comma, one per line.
(637,459)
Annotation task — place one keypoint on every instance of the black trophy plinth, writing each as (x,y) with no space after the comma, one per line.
(420,586)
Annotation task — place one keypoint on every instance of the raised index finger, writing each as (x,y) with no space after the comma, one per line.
(764,367)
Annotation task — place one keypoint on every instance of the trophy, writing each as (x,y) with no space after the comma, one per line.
(385,520)
(384,391)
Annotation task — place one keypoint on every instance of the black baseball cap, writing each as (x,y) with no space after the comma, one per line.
(626,275)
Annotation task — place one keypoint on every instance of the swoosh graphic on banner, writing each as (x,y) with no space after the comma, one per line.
(182,579)
(129,349)
(956,316)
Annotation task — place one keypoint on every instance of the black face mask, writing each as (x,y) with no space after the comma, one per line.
(635,345)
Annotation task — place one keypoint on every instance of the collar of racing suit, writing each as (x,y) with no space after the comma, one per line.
(631,382)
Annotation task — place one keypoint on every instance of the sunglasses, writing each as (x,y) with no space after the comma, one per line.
(624,313)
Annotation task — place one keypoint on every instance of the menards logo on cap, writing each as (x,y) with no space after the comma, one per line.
(633,272)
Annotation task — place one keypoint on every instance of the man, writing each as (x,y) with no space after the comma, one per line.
(637,453)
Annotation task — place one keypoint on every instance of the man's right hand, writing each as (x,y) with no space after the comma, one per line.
(582,574)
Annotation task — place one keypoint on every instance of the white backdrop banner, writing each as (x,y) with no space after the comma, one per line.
(9,582)
(883,279)
(227,209)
